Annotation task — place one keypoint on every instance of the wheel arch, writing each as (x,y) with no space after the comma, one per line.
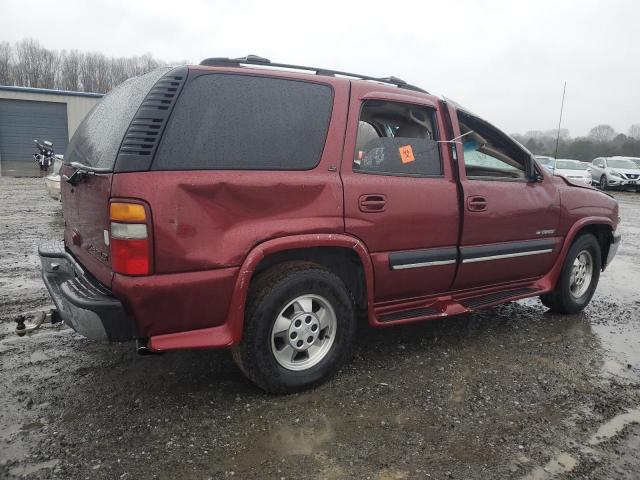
(601,227)
(344,255)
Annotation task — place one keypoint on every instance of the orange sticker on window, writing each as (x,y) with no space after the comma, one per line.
(406,154)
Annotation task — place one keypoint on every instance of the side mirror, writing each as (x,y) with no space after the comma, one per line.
(534,175)
(48,143)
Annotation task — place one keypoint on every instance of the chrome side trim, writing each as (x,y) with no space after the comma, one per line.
(506,255)
(423,264)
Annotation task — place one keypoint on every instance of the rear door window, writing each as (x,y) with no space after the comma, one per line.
(397,139)
(242,122)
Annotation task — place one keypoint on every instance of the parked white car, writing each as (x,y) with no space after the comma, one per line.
(547,162)
(574,170)
(619,172)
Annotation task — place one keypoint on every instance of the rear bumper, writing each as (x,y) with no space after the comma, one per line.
(84,304)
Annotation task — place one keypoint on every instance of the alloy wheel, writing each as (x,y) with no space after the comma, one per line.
(303,332)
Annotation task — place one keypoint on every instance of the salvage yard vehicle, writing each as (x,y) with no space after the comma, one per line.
(228,205)
(574,170)
(615,172)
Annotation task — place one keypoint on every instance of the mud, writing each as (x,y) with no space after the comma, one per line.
(508,392)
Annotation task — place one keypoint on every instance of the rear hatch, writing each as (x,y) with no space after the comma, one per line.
(95,146)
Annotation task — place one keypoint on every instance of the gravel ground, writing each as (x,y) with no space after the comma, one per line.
(508,392)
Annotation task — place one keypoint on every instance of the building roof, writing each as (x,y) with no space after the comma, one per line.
(49,91)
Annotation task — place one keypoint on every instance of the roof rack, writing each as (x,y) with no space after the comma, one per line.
(256,60)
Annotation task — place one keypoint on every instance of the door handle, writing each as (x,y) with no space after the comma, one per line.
(372,203)
(476,204)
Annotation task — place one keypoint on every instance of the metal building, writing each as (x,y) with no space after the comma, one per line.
(37,113)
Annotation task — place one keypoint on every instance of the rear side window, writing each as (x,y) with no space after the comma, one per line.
(97,139)
(242,122)
(397,139)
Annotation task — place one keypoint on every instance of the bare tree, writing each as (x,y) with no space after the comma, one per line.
(602,133)
(6,64)
(29,64)
(634,131)
(69,78)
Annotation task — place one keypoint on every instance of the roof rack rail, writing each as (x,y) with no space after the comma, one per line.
(256,60)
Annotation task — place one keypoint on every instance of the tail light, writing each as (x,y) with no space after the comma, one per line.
(130,242)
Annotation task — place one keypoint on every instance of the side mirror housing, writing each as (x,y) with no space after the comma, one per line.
(532,170)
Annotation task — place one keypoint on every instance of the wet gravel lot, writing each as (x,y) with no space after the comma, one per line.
(508,392)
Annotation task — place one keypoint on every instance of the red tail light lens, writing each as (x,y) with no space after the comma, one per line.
(130,257)
(130,243)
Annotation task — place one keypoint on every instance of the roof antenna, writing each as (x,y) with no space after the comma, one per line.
(564,89)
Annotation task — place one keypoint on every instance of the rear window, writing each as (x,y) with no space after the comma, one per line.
(97,139)
(242,122)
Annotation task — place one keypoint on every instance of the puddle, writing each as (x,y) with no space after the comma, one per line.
(559,464)
(622,344)
(290,440)
(614,426)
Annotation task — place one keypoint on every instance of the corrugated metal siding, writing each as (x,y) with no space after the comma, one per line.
(22,121)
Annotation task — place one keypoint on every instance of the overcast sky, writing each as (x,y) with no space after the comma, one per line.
(505,60)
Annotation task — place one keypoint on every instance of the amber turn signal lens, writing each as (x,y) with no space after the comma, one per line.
(127,212)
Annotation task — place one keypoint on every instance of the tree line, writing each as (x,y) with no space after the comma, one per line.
(602,141)
(28,64)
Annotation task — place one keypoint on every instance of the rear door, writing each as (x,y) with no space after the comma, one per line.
(96,144)
(400,197)
(510,223)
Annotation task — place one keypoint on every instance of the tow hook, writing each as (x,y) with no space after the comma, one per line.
(22,327)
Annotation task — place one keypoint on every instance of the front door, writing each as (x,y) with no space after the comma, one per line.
(510,222)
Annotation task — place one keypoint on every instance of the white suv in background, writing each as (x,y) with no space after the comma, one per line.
(621,172)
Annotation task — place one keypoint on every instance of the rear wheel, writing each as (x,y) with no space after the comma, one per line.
(603,182)
(578,279)
(299,323)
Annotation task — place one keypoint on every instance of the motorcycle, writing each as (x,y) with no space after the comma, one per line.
(45,156)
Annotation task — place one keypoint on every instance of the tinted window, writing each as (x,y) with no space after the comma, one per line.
(240,122)
(396,139)
(97,139)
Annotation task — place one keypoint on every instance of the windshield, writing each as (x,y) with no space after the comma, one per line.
(621,163)
(570,165)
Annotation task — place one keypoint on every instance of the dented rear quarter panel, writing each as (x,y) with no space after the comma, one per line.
(211,219)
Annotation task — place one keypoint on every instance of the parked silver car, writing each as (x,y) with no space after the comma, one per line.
(619,172)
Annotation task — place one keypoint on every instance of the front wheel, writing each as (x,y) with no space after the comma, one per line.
(299,324)
(578,279)
(603,182)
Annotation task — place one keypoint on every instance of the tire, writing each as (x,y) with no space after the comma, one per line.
(603,183)
(571,296)
(317,314)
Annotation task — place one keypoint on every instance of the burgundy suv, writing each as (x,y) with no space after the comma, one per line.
(228,205)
